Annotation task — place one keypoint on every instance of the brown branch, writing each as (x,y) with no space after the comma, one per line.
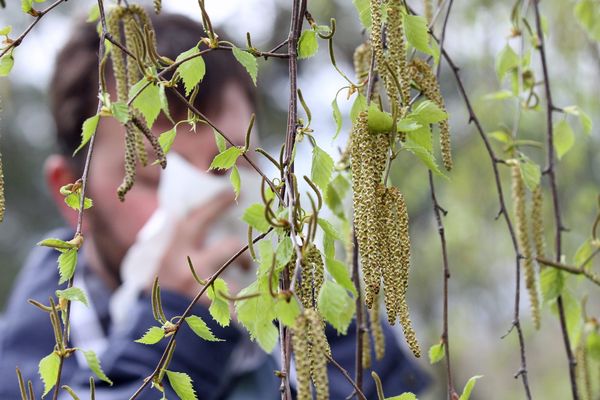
(359,393)
(188,310)
(438,211)
(572,269)
(502,212)
(38,16)
(554,188)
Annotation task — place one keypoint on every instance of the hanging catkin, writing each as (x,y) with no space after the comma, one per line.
(312,276)
(428,10)
(368,158)
(518,194)
(377,330)
(318,347)
(424,77)
(116,54)
(302,357)
(130,153)
(537,221)
(362,64)
(366,350)
(397,54)
(157,6)
(378,48)
(158,151)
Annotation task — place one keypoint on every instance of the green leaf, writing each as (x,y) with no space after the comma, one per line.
(94,364)
(72,294)
(593,345)
(436,353)
(191,71)
(227,158)
(499,95)
(421,137)
(287,310)
(417,33)
(360,104)
(220,141)
(182,385)
(56,244)
(466,394)
(407,125)
(48,370)
(6,30)
(423,154)
(26,5)
(147,101)
(337,117)
(166,139)
(321,168)
(66,265)
(120,111)
(500,136)
(153,335)
(427,112)
(87,130)
(265,250)
(73,200)
(336,306)
(340,273)
(531,174)
(248,61)
(285,250)
(363,9)
(586,121)
(506,61)
(583,253)
(329,229)
(256,314)
(552,282)
(235,180)
(201,329)
(379,121)
(255,217)
(308,45)
(403,396)
(335,193)
(219,307)
(564,138)
(93,14)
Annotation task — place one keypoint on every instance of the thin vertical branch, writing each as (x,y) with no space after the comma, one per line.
(502,212)
(360,318)
(437,211)
(550,171)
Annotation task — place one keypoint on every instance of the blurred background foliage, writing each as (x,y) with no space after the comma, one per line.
(481,256)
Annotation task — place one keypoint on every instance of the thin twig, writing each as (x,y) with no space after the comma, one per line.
(39,15)
(571,269)
(554,188)
(359,392)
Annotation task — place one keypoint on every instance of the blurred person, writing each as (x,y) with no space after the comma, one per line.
(234,369)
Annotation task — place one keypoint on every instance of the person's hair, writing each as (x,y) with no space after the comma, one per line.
(74,85)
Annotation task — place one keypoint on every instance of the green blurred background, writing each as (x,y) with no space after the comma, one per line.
(481,256)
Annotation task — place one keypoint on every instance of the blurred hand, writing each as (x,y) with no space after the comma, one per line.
(188,240)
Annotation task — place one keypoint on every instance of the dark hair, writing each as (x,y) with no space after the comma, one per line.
(74,85)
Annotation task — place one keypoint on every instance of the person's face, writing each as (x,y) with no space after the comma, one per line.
(112,224)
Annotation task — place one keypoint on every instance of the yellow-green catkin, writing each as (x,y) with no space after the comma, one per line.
(157,6)
(377,331)
(2,198)
(366,350)
(318,347)
(397,54)
(378,48)
(428,10)
(388,256)
(362,64)
(135,43)
(302,357)
(368,158)
(522,228)
(312,276)
(422,74)
(140,148)
(139,123)
(537,221)
(399,240)
(130,155)
(582,370)
(117,55)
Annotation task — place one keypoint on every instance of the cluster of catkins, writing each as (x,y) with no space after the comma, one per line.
(312,276)
(523,237)
(135,26)
(310,347)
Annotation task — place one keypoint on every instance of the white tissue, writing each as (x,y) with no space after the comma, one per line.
(182,188)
